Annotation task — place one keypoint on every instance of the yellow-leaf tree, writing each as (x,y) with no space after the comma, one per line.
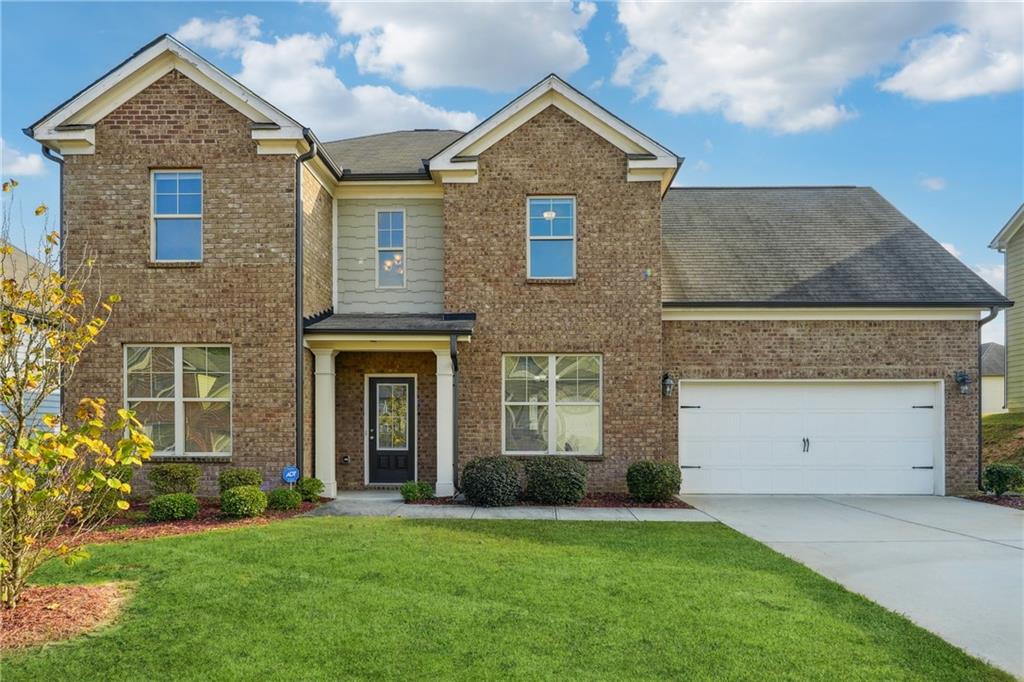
(60,475)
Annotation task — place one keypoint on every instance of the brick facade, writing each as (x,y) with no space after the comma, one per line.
(613,307)
(242,293)
(835,349)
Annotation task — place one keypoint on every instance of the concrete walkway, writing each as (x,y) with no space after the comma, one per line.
(389,503)
(952,566)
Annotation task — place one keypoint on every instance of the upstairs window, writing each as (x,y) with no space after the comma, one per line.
(551,251)
(391,249)
(177,216)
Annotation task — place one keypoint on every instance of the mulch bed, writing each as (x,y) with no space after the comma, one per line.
(54,612)
(1012,501)
(590,500)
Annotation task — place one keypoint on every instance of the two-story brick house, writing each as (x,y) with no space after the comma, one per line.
(383,308)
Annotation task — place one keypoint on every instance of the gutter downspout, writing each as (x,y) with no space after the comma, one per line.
(993,311)
(60,219)
(299,350)
(454,351)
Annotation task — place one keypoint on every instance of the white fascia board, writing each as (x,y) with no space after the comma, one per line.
(1011,228)
(816,313)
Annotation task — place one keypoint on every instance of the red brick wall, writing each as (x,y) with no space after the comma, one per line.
(613,308)
(835,349)
(350,399)
(241,294)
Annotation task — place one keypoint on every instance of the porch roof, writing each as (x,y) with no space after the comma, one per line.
(394,324)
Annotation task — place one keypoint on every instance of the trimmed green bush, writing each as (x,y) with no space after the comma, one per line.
(284,499)
(310,489)
(168,479)
(555,480)
(490,481)
(653,481)
(173,507)
(414,491)
(232,477)
(1001,478)
(243,500)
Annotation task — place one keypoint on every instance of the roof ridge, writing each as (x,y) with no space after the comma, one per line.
(392,132)
(728,187)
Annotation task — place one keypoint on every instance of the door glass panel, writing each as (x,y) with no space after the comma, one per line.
(392,417)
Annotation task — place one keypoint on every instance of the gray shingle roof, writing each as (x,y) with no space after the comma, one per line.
(441,323)
(398,153)
(993,359)
(805,246)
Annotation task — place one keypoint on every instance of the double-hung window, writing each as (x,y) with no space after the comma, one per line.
(182,397)
(551,252)
(551,404)
(391,249)
(177,216)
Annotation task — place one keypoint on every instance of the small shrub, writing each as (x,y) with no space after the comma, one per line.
(243,500)
(310,489)
(232,477)
(414,491)
(555,480)
(1001,478)
(653,481)
(490,481)
(284,499)
(173,507)
(168,479)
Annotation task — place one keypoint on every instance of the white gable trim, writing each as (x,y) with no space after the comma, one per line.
(1011,228)
(649,160)
(820,313)
(68,128)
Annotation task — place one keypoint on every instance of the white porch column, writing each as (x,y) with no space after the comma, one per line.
(445,426)
(324,437)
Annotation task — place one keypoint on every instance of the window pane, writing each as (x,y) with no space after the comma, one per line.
(194,358)
(397,237)
(157,420)
(526,378)
(138,385)
(207,427)
(190,183)
(206,385)
(560,227)
(384,220)
(562,207)
(391,269)
(578,428)
(526,428)
(538,206)
(397,220)
(190,204)
(539,227)
(218,359)
(139,358)
(179,239)
(393,416)
(163,359)
(166,204)
(166,183)
(384,238)
(551,258)
(163,385)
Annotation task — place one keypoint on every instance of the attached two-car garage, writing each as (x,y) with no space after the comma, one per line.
(812,437)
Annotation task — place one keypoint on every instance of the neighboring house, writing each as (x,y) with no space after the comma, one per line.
(17,265)
(993,378)
(1010,242)
(389,307)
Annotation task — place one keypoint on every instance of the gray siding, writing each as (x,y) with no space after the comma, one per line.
(357,254)
(50,405)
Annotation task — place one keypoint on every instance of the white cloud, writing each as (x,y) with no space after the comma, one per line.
(702,166)
(993,274)
(933,183)
(292,73)
(496,46)
(951,248)
(224,35)
(596,85)
(18,164)
(783,66)
(708,145)
(984,56)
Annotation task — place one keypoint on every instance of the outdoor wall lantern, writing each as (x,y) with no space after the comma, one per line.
(963,380)
(667,384)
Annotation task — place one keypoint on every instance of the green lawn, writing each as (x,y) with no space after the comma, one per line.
(360,598)
(1002,438)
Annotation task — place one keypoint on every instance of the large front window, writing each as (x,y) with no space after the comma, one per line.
(552,238)
(177,216)
(552,404)
(182,396)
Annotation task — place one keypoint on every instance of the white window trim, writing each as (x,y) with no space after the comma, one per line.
(179,398)
(529,238)
(153,216)
(378,248)
(552,403)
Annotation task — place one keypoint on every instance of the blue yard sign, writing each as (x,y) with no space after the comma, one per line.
(290,474)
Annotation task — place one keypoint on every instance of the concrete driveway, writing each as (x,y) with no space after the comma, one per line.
(952,566)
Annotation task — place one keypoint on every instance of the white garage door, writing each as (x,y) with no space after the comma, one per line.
(813,437)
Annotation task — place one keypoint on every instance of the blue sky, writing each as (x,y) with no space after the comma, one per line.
(922,101)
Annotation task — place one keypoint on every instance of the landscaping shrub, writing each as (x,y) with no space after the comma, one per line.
(244,500)
(414,491)
(1000,478)
(555,480)
(490,482)
(284,499)
(173,507)
(653,481)
(106,498)
(167,479)
(232,477)
(310,489)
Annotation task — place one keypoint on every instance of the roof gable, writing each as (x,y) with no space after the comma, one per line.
(1010,229)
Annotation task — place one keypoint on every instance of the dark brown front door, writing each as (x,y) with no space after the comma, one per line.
(392,422)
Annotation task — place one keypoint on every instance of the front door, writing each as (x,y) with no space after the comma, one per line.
(392,423)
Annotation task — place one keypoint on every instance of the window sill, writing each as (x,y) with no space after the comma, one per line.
(550,280)
(174,264)
(191,459)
